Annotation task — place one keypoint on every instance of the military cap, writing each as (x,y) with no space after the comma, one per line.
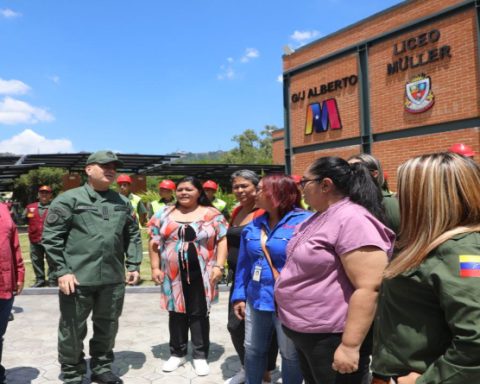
(104,157)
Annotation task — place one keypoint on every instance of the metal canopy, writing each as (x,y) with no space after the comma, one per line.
(134,163)
(210,171)
(12,166)
(8,173)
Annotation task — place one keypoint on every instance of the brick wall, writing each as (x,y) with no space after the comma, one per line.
(278,146)
(455,84)
(376,25)
(301,161)
(453,80)
(393,153)
(347,101)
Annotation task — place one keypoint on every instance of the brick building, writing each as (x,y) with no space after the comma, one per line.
(398,84)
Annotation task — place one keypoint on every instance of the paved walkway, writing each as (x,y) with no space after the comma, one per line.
(30,346)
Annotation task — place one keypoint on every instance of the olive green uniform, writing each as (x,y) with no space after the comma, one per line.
(88,233)
(392,211)
(428,319)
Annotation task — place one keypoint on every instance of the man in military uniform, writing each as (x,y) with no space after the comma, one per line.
(36,213)
(88,232)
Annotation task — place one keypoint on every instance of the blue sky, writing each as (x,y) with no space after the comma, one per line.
(151,76)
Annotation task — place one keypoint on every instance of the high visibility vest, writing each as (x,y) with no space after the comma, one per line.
(159,205)
(219,204)
(135,199)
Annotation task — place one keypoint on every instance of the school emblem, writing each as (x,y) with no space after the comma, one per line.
(418,94)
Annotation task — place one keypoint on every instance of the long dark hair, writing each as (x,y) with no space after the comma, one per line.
(373,164)
(203,199)
(352,180)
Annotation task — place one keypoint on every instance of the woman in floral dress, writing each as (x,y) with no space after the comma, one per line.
(188,249)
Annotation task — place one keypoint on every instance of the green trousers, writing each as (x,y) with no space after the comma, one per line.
(38,257)
(105,303)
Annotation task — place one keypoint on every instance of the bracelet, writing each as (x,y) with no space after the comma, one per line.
(222,269)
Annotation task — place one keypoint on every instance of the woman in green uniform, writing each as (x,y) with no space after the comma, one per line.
(427,328)
(389,201)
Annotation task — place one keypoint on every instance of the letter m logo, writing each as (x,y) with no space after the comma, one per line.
(320,118)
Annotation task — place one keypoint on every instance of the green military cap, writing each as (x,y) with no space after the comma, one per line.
(104,157)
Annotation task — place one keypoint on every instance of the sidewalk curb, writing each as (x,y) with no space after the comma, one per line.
(138,289)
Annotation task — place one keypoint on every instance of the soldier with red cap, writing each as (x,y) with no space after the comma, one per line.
(462,149)
(166,190)
(210,187)
(36,213)
(125,185)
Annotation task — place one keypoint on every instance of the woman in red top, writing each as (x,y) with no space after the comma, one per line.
(12,273)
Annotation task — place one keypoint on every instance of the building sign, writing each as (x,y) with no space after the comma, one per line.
(321,117)
(418,94)
(410,60)
(323,89)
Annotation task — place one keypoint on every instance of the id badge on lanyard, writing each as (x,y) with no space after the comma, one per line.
(257,273)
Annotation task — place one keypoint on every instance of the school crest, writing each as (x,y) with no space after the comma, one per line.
(418,94)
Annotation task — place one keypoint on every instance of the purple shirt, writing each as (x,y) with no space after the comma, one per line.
(313,290)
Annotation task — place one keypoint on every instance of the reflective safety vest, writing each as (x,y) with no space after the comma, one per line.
(219,204)
(135,199)
(159,205)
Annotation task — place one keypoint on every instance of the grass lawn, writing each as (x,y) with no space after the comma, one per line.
(30,277)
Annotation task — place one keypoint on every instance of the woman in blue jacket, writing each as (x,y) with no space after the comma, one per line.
(255,276)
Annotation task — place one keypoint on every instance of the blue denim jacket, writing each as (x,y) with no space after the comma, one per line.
(260,293)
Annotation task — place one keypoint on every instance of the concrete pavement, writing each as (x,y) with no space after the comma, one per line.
(30,345)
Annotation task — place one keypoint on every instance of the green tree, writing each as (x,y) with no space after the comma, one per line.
(26,186)
(252,148)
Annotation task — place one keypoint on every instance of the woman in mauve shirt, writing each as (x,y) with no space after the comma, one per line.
(327,291)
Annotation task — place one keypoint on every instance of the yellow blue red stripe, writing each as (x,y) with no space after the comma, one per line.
(469,265)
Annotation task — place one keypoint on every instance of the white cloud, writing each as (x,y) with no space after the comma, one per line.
(13,111)
(280,78)
(9,14)
(250,53)
(226,73)
(302,37)
(13,87)
(55,79)
(29,141)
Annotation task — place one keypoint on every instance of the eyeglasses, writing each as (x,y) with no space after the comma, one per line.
(304,182)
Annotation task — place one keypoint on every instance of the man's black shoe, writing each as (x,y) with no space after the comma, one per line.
(106,378)
(52,284)
(10,318)
(38,284)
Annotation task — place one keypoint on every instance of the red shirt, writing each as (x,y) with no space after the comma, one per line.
(12,270)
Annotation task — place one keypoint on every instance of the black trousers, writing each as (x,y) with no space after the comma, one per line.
(236,328)
(196,319)
(315,353)
(5,309)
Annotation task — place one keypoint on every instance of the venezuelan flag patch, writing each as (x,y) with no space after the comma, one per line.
(469,265)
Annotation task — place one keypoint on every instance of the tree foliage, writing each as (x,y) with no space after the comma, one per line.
(26,186)
(252,148)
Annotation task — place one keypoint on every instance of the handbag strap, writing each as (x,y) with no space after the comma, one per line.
(263,243)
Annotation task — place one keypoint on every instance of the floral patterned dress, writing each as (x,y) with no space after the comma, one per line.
(166,233)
